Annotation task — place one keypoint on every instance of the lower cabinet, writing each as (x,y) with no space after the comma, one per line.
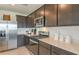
(43,51)
(33,48)
(44,48)
(33,45)
(22,40)
(26,40)
(59,51)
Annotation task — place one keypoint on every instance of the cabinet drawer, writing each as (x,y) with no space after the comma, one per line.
(60,51)
(20,40)
(44,45)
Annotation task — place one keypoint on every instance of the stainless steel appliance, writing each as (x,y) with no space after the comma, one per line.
(8,35)
(41,35)
(12,35)
(40,21)
(33,41)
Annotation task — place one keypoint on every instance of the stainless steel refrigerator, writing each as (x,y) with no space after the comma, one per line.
(8,35)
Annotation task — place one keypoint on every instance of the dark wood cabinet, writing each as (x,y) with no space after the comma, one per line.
(59,51)
(50,15)
(20,40)
(40,12)
(64,15)
(26,40)
(30,20)
(68,15)
(21,21)
(75,14)
(44,48)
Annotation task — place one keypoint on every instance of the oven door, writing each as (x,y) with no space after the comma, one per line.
(33,46)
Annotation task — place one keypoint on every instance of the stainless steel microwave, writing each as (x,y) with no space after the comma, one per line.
(39,22)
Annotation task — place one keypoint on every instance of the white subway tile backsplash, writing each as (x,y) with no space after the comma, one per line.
(72,31)
(59,32)
(68,39)
(61,38)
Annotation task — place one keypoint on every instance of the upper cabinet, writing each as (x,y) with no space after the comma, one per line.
(51,14)
(30,20)
(56,15)
(75,14)
(68,15)
(21,21)
(64,14)
(40,12)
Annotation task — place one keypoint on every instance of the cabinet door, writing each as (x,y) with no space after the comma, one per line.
(26,40)
(44,48)
(44,44)
(50,14)
(20,40)
(65,15)
(59,51)
(75,14)
(40,12)
(30,20)
(21,21)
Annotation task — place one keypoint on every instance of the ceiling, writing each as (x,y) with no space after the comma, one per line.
(20,8)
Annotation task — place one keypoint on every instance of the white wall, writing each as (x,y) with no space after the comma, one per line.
(12,14)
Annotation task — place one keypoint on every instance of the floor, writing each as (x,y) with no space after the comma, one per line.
(19,51)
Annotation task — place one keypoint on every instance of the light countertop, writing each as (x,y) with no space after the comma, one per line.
(72,47)
(26,34)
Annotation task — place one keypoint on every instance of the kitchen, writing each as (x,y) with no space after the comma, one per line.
(39,29)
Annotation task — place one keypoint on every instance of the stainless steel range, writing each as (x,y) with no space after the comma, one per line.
(33,41)
(42,34)
(8,35)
